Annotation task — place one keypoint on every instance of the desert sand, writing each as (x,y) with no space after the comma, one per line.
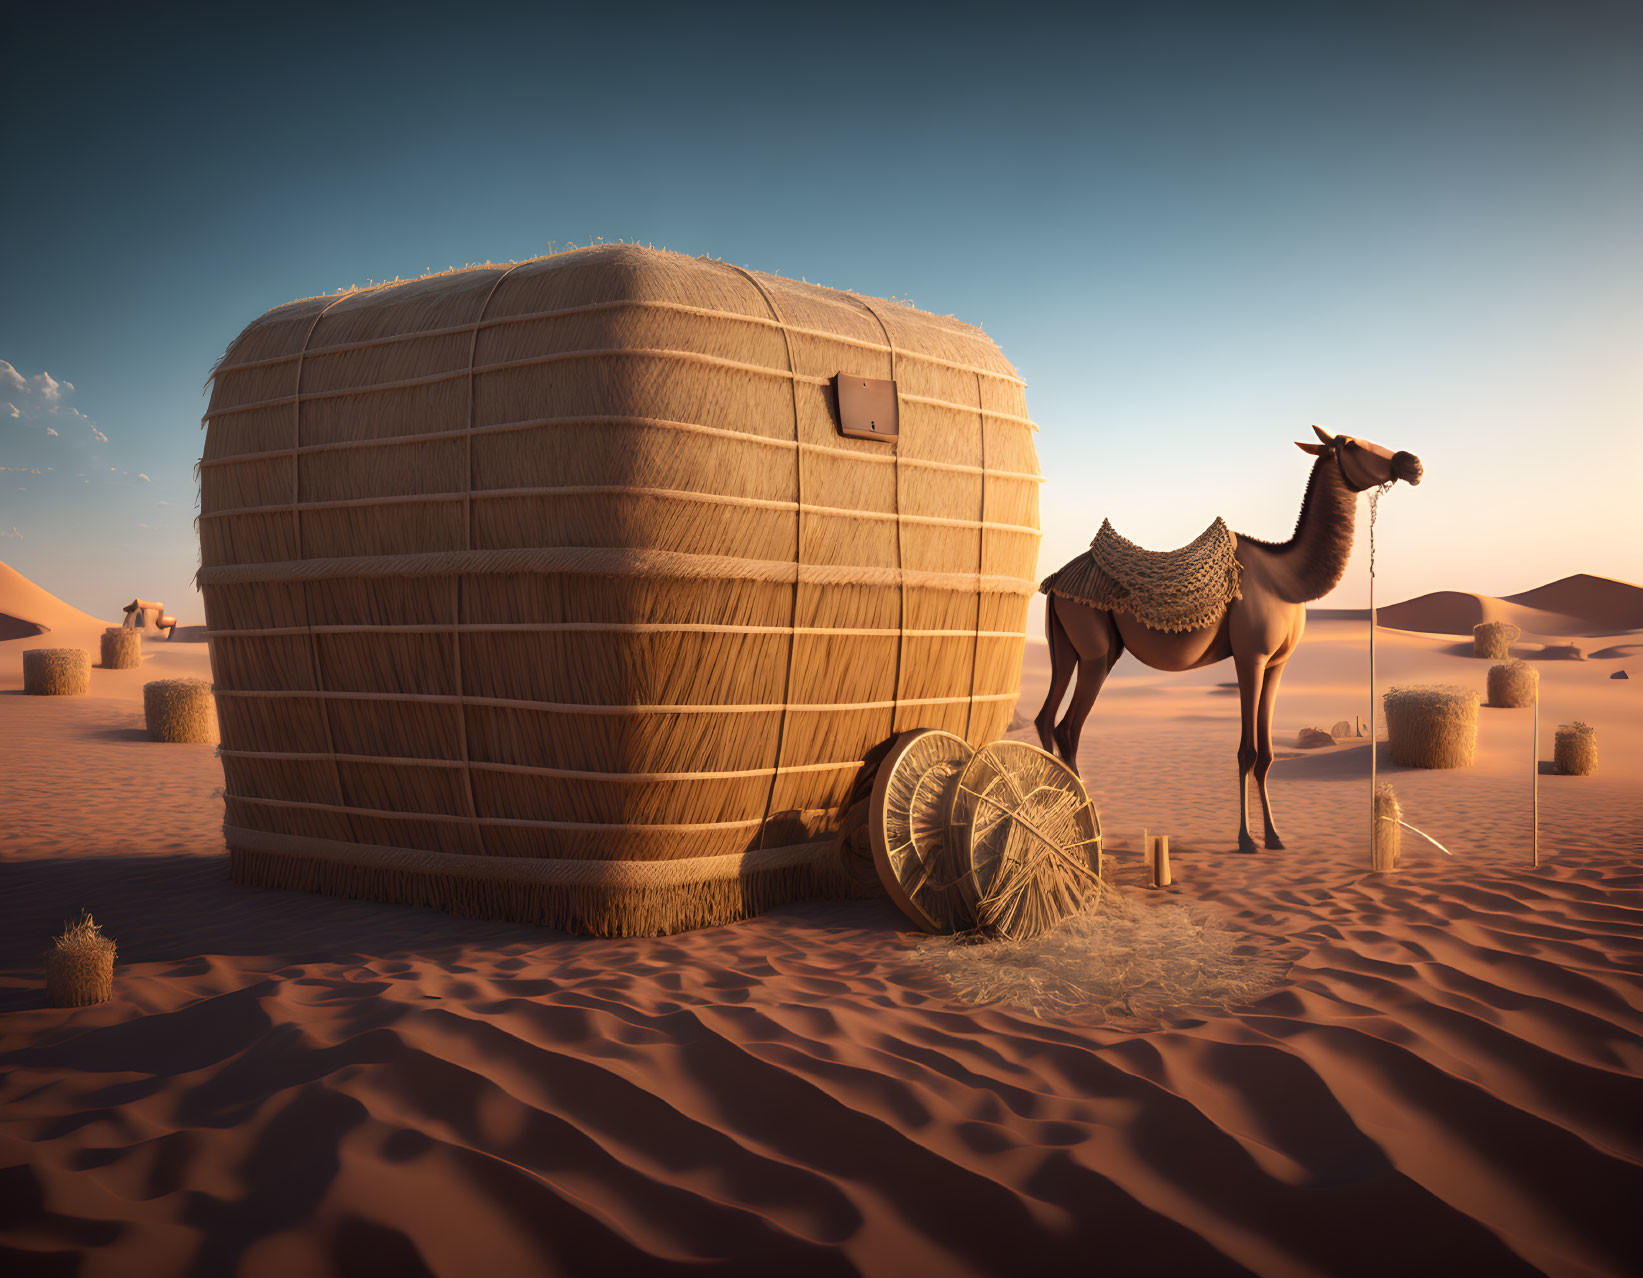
(1447,1079)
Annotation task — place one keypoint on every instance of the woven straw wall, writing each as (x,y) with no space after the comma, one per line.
(567,560)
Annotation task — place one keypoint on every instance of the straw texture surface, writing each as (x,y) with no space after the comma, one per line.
(1030,837)
(1170,590)
(1388,838)
(1574,749)
(56,672)
(1513,684)
(80,966)
(122,648)
(567,559)
(1432,726)
(181,711)
(1494,639)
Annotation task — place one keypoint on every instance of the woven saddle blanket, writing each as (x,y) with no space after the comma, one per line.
(1169,590)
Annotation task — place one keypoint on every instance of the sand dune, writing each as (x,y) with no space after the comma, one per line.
(23,601)
(1577,605)
(1446,1079)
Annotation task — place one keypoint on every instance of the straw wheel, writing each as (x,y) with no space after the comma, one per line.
(1026,827)
(912,850)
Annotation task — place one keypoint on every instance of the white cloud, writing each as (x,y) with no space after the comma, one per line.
(100,437)
(49,430)
(12,533)
(162,503)
(144,478)
(13,409)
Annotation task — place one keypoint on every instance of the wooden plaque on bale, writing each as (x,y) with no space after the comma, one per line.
(551,592)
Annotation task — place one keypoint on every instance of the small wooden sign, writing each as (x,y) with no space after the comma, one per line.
(868,408)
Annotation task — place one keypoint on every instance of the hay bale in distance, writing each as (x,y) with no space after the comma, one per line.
(1314,739)
(80,965)
(1513,685)
(181,711)
(1388,838)
(1494,639)
(1343,728)
(1574,751)
(56,672)
(573,445)
(1561,652)
(122,648)
(1431,726)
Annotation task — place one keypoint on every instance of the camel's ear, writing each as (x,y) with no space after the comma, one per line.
(1323,434)
(1317,450)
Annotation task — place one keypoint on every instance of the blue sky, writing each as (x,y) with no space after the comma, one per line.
(1195,229)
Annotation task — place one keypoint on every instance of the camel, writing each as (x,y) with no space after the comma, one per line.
(1259,630)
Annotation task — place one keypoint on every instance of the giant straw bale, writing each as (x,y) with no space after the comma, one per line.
(80,965)
(1494,639)
(1574,749)
(122,648)
(553,591)
(56,672)
(1513,684)
(1431,726)
(181,711)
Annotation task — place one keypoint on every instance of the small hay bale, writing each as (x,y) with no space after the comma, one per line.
(56,672)
(1388,841)
(1574,752)
(1494,639)
(122,648)
(1314,739)
(1343,728)
(80,965)
(180,710)
(1432,726)
(1561,652)
(1513,685)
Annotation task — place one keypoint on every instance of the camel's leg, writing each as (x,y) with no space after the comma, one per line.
(1063,661)
(1263,746)
(1091,676)
(1251,667)
(1099,645)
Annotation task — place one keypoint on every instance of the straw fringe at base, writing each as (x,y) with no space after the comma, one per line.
(596,898)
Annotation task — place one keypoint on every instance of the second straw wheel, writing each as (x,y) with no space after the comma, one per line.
(913,849)
(1026,828)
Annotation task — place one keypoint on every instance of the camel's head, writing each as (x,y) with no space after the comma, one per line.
(1364,465)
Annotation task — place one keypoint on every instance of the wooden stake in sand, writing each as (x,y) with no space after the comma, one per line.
(1374,504)
(1534,778)
(1158,855)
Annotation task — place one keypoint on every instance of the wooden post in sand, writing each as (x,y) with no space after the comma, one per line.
(1534,774)
(1158,858)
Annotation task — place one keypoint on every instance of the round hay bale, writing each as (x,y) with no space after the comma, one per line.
(80,965)
(1343,728)
(1032,839)
(56,672)
(180,710)
(1574,752)
(1494,639)
(1561,652)
(1513,685)
(122,648)
(1432,726)
(1314,739)
(917,858)
(1388,841)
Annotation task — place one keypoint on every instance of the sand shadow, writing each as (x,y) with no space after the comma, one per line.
(118,734)
(1350,763)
